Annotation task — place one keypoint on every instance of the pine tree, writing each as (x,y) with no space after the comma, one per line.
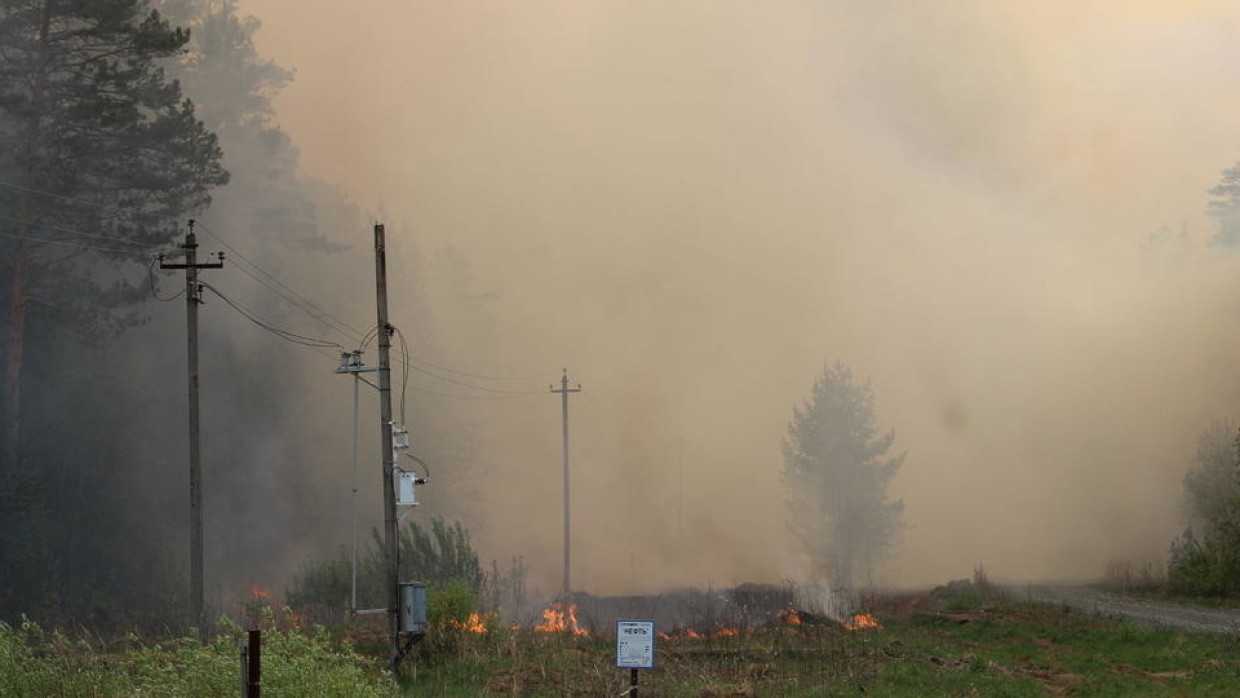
(100,157)
(837,471)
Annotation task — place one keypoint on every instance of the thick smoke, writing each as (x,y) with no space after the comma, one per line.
(995,213)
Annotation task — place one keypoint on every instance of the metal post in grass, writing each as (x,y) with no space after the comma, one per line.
(252,665)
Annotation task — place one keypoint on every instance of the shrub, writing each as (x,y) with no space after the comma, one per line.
(1209,564)
(33,663)
(441,553)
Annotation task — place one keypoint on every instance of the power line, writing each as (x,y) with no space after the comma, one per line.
(62,197)
(150,271)
(459,396)
(286,335)
(78,233)
(404,370)
(70,243)
(293,302)
(301,301)
(478,376)
(464,384)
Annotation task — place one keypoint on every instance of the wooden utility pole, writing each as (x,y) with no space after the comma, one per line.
(384,330)
(193,296)
(564,390)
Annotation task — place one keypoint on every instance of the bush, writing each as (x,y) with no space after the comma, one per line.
(438,554)
(33,663)
(450,602)
(1209,565)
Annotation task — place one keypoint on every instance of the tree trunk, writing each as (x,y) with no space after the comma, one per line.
(16,341)
(13,363)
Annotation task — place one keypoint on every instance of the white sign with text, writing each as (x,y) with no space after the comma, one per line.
(635,644)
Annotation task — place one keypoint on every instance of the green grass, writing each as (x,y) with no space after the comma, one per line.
(993,648)
(1006,650)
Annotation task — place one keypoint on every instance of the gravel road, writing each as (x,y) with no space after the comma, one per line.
(1214,620)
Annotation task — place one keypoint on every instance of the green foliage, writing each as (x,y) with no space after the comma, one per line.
(440,555)
(1212,485)
(99,151)
(1225,207)
(837,470)
(34,663)
(1208,564)
(450,601)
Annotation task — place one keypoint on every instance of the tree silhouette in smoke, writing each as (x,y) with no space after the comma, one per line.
(837,470)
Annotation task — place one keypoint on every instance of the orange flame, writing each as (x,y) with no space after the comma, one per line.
(560,618)
(689,633)
(863,621)
(258,592)
(294,619)
(475,624)
(790,616)
(663,636)
(727,632)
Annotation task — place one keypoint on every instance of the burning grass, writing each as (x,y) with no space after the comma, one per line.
(902,646)
(910,645)
(561,618)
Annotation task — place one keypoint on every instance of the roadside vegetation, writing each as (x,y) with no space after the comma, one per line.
(1203,562)
(957,640)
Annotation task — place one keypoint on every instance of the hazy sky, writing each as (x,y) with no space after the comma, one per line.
(995,212)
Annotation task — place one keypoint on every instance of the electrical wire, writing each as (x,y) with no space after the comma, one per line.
(292,337)
(294,303)
(281,289)
(298,299)
(404,370)
(54,195)
(70,243)
(78,233)
(464,384)
(478,376)
(150,272)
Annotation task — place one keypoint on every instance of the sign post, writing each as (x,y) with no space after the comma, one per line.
(634,649)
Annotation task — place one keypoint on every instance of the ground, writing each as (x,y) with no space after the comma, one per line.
(961,640)
(1004,648)
(1188,614)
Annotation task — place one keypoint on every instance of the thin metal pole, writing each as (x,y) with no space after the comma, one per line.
(633,683)
(354,503)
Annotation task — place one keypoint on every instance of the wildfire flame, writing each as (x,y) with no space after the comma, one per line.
(259,593)
(475,624)
(560,618)
(863,621)
(689,633)
(790,616)
(727,632)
